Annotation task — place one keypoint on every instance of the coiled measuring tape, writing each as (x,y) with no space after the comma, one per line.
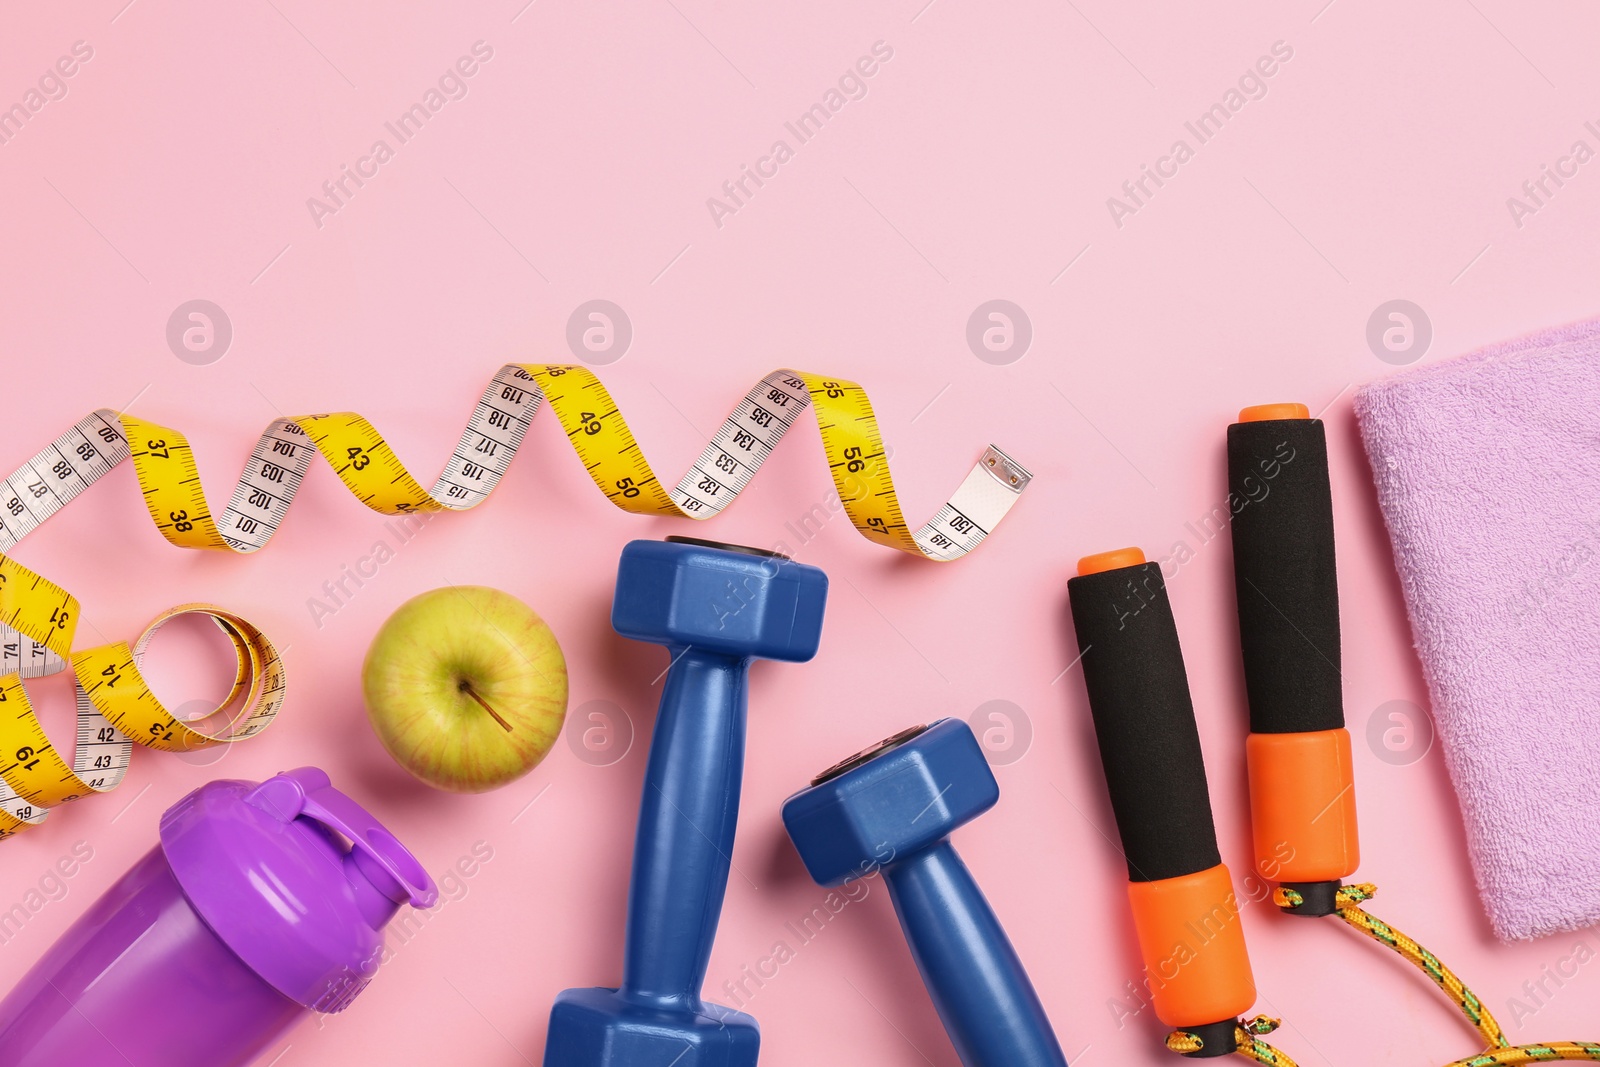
(115,705)
(371,471)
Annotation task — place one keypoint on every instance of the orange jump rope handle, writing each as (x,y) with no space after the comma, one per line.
(1302,790)
(1184,907)
(1193,949)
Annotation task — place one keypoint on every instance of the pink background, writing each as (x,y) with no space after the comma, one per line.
(978,166)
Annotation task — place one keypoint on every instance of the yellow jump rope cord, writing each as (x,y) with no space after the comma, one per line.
(1500,1050)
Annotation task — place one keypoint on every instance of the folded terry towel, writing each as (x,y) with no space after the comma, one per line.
(1488,473)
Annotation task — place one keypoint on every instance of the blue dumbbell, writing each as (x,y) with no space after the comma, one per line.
(893,807)
(716,608)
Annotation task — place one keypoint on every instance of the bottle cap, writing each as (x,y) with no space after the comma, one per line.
(296,878)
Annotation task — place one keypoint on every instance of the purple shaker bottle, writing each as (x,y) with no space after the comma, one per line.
(249,915)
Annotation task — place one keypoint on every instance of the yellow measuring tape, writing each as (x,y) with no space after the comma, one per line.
(37,618)
(170,482)
(370,470)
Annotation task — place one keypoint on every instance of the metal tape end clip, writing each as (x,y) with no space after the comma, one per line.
(1005,470)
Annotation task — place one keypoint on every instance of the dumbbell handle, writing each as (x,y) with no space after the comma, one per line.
(983,995)
(687,816)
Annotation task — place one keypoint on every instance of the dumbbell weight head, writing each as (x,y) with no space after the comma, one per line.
(864,812)
(727,599)
(596,1028)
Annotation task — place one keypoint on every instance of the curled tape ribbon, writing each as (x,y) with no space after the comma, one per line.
(370,470)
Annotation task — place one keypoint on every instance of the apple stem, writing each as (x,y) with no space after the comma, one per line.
(466,687)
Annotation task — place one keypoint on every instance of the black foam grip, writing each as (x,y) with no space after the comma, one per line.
(1283,572)
(1144,721)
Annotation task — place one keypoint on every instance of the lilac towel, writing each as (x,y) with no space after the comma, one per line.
(1488,472)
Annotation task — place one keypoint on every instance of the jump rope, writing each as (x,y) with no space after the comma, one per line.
(116,708)
(1298,754)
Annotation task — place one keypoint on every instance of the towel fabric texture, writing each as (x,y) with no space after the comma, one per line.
(1488,474)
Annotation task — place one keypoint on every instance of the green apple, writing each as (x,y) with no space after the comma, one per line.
(466,687)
